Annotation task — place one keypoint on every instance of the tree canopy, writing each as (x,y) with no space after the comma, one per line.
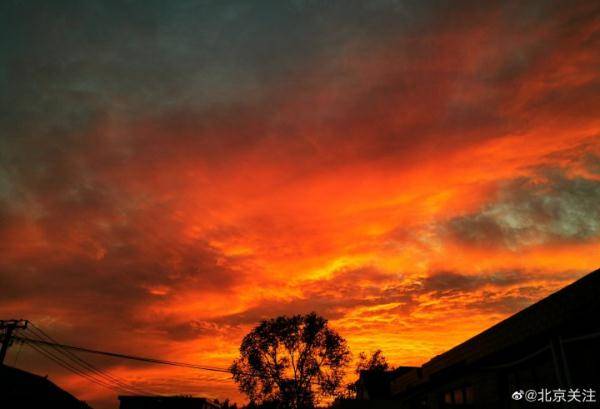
(375,363)
(371,371)
(291,362)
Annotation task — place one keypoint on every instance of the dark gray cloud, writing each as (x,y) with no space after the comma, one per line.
(592,162)
(549,207)
(191,66)
(513,300)
(72,61)
(445,283)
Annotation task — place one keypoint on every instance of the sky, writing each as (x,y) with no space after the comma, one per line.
(173,172)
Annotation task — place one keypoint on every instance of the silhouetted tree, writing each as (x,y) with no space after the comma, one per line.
(371,370)
(375,363)
(291,362)
(226,404)
(269,404)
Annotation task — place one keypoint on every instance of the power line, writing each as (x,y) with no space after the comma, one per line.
(65,356)
(91,367)
(123,356)
(75,369)
(72,369)
(18,353)
(83,366)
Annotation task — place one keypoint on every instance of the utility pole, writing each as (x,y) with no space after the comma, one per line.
(8,327)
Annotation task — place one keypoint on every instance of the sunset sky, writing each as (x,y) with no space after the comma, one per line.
(173,172)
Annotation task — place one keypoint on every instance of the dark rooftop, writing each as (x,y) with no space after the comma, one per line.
(24,389)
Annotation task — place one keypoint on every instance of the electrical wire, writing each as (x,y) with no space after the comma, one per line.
(59,361)
(124,356)
(73,366)
(90,367)
(18,352)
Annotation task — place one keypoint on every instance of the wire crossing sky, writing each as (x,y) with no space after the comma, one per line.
(64,347)
(173,172)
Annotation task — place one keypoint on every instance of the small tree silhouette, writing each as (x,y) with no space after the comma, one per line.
(375,363)
(226,404)
(371,370)
(291,362)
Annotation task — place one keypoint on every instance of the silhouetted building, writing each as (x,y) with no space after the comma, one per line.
(375,385)
(373,390)
(553,345)
(165,402)
(21,389)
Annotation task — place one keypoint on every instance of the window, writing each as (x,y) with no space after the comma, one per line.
(460,396)
(448,398)
(469,395)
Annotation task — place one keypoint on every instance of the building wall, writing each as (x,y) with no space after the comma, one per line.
(492,386)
